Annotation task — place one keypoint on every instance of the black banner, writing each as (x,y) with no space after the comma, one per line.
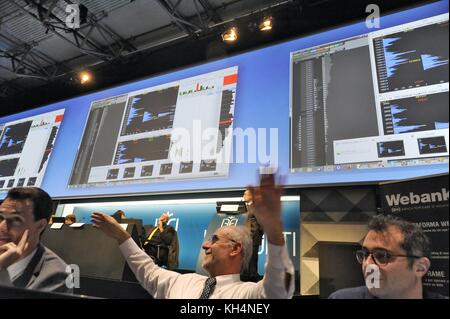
(424,202)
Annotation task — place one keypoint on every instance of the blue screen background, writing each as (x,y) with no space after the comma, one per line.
(262,101)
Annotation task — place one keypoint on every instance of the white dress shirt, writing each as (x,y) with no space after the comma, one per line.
(162,283)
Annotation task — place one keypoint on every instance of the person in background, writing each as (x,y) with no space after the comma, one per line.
(119,215)
(70,219)
(158,241)
(256,232)
(24,261)
(395,257)
(224,256)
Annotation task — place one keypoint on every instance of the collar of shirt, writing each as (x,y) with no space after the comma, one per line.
(224,280)
(17,269)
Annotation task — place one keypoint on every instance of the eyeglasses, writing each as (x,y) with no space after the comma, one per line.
(12,220)
(381,257)
(214,239)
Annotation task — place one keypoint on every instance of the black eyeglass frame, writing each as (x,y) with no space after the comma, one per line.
(363,254)
(214,239)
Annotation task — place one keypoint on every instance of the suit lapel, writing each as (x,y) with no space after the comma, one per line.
(32,270)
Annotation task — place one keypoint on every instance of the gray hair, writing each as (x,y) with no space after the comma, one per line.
(241,234)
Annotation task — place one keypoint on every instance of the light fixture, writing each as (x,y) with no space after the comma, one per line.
(85,77)
(266,24)
(230,35)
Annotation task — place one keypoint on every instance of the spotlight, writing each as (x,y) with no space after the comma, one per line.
(230,35)
(85,77)
(266,24)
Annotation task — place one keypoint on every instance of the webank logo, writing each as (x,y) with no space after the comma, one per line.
(412,198)
(229,221)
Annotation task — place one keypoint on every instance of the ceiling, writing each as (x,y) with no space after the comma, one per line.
(123,40)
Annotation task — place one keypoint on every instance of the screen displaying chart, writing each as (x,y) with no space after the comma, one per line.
(25,149)
(367,101)
(156,134)
(412,58)
(415,114)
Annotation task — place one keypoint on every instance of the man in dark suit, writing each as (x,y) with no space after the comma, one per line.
(161,243)
(256,232)
(24,261)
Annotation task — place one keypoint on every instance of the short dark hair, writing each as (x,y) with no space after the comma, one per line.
(42,202)
(118,215)
(415,242)
(72,218)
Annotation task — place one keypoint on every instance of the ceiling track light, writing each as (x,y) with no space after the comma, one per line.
(230,35)
(266,24)
(85,77)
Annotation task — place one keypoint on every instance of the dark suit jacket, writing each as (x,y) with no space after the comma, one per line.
(167,239)
(45,271)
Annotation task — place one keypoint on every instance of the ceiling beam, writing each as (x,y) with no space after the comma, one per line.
(210,11)
(95,49)
(181,22)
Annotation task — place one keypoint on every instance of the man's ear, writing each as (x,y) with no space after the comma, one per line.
(237,249)
(421,266)
(41,224)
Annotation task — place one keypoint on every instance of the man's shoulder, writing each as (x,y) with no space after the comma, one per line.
(52,260)
(50,273)
(352,293)
(169,228)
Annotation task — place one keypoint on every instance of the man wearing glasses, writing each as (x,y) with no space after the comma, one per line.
(225,255)
(24,261)
(395,259)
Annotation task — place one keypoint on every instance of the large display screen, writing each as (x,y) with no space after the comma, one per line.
(371,101)
(147,135)
(352,104)
(25,149)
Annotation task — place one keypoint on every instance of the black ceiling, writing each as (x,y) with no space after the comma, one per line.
(292,18)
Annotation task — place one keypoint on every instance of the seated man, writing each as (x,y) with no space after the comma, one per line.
(395,259)
(24,261)
(158,242)
(225,255)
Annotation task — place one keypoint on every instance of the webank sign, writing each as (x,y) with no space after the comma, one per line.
(413,198)
(424,201)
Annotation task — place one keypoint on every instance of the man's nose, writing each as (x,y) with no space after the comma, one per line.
(206,245)
(369,261)
(3,225)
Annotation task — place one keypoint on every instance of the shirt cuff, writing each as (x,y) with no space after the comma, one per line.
(279,257)
(129,247)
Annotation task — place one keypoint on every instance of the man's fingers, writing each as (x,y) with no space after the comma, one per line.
(23,240)
(267,180)
(251,190)
(4,248)
(98,215)
(97,218)
(7,246)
